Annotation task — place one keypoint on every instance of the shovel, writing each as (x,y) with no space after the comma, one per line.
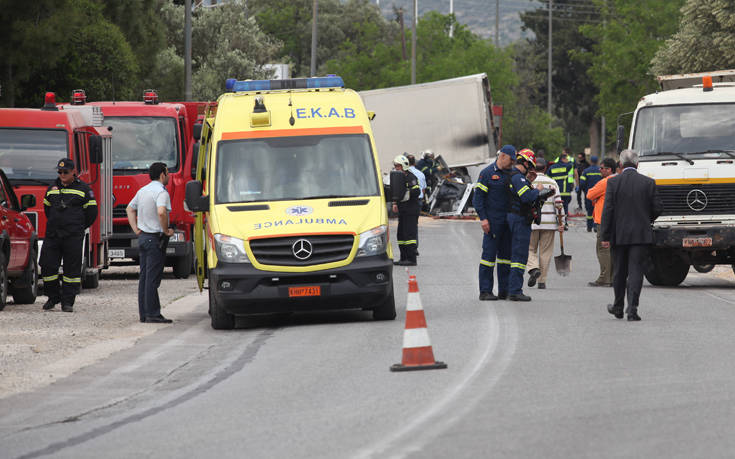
(562,262)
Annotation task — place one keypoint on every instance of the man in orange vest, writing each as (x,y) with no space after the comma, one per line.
(596,194)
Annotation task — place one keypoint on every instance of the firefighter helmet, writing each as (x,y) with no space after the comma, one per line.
(527,155)
(402,161)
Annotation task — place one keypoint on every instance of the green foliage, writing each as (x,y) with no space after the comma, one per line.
(632,32)
(705,40)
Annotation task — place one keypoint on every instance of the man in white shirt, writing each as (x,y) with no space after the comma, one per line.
(542,235)
(148,217)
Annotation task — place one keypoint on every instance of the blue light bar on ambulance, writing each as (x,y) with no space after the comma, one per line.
(331,81)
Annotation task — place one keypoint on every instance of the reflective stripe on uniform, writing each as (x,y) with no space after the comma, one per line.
(72,191)
(517,266)
(502,261)
(481,186)
(91,202)
(416,186)
(522,190)
(71,280)
(45,202)
(412,241)
(487,263)
(52,192)
(51,278)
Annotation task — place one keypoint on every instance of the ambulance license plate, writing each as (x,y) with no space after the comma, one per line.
(697,242)
(305,291)
(117,253)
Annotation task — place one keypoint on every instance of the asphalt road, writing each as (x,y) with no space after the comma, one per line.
(557,377)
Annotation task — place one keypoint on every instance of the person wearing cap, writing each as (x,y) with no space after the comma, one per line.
(148,218)
(70,209)
(523,197)
(408,209)
(490,200)
(587,179)
(542,232)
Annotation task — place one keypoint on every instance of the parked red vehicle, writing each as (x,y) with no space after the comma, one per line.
(18,247)
(31,143)
(143,133)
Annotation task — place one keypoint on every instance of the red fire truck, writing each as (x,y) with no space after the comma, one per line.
(143,133)
(31,143)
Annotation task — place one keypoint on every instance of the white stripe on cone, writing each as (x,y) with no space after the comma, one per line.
(416,337)
(413,302)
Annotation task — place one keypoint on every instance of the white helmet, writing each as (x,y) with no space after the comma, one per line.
(402,160)
(428,154)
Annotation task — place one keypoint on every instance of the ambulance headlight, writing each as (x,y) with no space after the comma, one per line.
(373,242)
(230,249)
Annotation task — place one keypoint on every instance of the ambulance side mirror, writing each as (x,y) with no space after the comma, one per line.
(95,149)
(194,199)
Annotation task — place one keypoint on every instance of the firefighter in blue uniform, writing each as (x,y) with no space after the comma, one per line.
(589,178)
(70,209)
(490,200)
(522,197)
(408,209)
(562,172)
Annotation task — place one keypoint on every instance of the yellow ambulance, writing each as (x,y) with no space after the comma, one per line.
(289,202)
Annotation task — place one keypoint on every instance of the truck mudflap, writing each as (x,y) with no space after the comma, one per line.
(242,289)
(720,237)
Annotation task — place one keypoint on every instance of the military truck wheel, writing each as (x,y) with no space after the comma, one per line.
(221,319)
(667,270)
(703,268)
(27,291)
(182,266)
(386,310)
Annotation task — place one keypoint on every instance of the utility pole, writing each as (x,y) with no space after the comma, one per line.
(403,34)
(497,23)
(413,40)
(451,11)
(548,103)
(187,50)
(313,41)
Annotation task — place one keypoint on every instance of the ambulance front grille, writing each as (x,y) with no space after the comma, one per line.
(302,250)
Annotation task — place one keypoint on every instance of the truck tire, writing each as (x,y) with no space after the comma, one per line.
(386,310)
(27,292)
(183,265)
(703,268)
(667,270)
(3,281)
(221,319)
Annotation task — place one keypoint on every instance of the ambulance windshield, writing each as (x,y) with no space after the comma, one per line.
(139,141)
(30,155)
(289,168)
(685,129)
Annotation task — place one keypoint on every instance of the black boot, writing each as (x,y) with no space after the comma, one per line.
(49,304)
(519,297)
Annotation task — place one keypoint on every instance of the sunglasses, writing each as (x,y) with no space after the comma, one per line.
(64,171)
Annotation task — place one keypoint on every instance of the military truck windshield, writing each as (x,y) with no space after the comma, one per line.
(685,129)
(139,141)
(30,155)
(288,168)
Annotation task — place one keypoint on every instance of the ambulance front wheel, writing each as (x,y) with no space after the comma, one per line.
(221,319)
(386,310)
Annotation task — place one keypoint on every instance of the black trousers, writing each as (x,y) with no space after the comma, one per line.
(53,251)
(628,266)
(407,237)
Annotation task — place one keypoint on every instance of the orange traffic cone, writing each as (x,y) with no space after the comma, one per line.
(417,352)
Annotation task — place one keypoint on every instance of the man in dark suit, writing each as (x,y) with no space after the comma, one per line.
(631,205)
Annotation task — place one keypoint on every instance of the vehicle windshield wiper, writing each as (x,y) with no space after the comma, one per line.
(678,155)
(730,153)
(31,181)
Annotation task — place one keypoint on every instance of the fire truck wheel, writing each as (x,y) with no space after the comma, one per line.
(3,280)
(221,319)
(182,266)
(386,310)
(27,292)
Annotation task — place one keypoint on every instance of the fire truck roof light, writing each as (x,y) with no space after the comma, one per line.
(707,83)
(49,101)
(331,81)
(78,97)
(150,96)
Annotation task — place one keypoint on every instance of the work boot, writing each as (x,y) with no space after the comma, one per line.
(67,307)
(519,297)
(49,304)
(618,313)
(533,274)
(633,316)
(542,285)
(405,263)
(502,295)
(487,296)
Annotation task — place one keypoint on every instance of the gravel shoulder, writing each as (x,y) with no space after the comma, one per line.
(38,347)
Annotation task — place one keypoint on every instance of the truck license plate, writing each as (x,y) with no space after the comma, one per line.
(117,253)
(697,242)
(304,291)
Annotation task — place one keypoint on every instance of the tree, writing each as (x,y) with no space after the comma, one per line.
(626,41)
(705,40)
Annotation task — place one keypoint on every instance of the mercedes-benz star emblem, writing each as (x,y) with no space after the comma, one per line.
(302,249)
(697,200)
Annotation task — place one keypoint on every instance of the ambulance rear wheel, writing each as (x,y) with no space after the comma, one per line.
(221,319)
(386,310)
